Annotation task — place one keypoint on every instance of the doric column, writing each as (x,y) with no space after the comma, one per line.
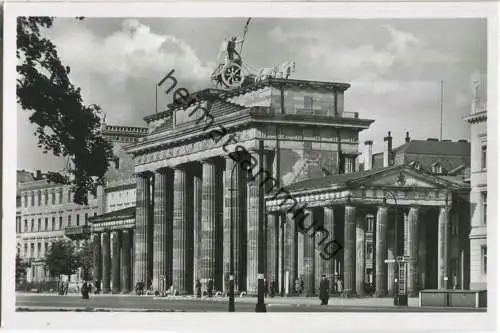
(360,254)
(197,235)
(412,247)
(115,264)
(126,272)
(180,221)
(141,228)
(327,245)
(272,242)
(350,250)
(96,257)
(381,252)
(443,247)
(291,251)
(208,231)
(309,254)
(422,254)
(106,261)
(162,196)
(391,250)
(253,227)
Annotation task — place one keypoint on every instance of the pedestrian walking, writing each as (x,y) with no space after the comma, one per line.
(297,286)
(323,290)
(339,286)
(85,289)
(66,287)
(97,286)
(198,288)
(210,287)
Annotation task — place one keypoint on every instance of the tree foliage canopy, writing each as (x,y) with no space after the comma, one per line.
(65,125)
(20,268)
(85,259)
(62,258)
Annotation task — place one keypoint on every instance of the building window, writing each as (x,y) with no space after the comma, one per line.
(39,248)
(39,198)
(46,198)
(32,225)
(483,259)
(53,223)
(25,200)
(53,194)
(308,102)
(60,196)
(46,246)
(69,196)
(25,250)
(86,218)
(484,202)
(32,250)
(483,157)
(46,224)
(60,222)
(39,226)
(25,225)
(77,219)
(32,199)
(69,221)
(95,214)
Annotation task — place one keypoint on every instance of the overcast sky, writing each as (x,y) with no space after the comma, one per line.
(394,66)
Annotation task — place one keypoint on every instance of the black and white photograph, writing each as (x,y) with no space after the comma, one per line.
(259,162)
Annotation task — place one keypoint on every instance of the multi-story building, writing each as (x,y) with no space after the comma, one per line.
(479,189)
(44,211)
(117,201)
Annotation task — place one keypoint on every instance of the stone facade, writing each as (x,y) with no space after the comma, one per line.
(44,212)
(478,199)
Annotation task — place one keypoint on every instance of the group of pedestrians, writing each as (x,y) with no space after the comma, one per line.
(210,288)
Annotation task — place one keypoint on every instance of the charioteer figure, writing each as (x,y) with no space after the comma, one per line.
(232,54)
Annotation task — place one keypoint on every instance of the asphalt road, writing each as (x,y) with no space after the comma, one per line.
(135,303)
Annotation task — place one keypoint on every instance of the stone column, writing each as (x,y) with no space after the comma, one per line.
(309,254)
(253,227)
(126,273)
(291,251)
(179,267)
(390,266)
(106,262)
(197,236)
(162,189)
(141,228)
(350,251)
(360,254)
(208,240)
(422,254)
(381,252)
(443,247)
(96,257)
(327,245)
(115,264)
(272,241)
(280,259)
(412,248)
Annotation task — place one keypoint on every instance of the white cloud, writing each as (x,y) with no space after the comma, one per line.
(132,52)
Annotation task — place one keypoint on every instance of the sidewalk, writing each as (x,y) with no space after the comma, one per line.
(294,300)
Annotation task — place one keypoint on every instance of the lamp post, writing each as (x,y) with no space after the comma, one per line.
(261,306)
(242,159)
(396,247)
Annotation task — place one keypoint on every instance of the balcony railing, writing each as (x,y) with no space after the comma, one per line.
(78,232)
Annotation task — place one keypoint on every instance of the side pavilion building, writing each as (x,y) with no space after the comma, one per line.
(421,216)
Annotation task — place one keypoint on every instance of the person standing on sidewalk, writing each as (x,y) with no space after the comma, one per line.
(210,287)
(198,288)
(323,290)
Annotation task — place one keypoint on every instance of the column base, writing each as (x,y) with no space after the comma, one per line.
(114,292)
(125,291)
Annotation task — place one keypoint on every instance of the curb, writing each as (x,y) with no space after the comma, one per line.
(82,309)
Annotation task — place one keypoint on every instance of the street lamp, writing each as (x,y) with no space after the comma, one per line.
(242,159)
(395,243)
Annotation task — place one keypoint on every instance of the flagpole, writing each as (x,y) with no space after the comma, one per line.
(441,123)
(156,98)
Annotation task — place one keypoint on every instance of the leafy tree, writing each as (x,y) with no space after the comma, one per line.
(85,259)
(62,258)
(65,126)
(21,266)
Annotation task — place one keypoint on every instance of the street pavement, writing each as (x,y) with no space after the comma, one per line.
(44,302)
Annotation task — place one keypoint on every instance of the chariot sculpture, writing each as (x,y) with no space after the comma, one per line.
(234,72)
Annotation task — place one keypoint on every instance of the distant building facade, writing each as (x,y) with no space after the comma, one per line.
(477,121)
(44,212)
